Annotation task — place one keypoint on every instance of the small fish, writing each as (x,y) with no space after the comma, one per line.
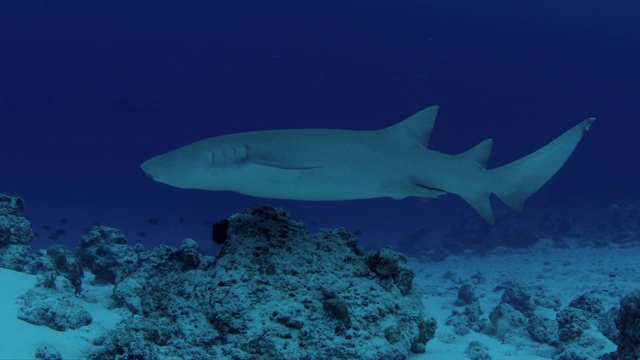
(153,221)
(141,234)
(60,232)
(63,221)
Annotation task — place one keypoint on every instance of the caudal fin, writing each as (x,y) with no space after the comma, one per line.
(515,182)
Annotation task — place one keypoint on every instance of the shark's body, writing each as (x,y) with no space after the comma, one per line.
(325,164)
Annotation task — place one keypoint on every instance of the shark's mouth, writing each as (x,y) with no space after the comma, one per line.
(152,176)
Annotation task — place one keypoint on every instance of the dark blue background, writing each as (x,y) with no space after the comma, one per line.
(89,90)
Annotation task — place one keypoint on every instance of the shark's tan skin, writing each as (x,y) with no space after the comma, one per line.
(324,164)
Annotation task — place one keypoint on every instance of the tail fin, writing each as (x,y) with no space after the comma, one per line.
(515,182)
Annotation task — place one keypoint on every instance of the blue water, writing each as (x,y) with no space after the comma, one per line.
(89,90)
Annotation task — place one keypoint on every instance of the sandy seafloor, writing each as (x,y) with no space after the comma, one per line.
(609,273)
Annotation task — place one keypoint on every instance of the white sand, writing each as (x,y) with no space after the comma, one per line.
(566,273)
(20,339)
(589,270)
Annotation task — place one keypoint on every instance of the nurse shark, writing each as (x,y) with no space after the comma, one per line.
(332,164)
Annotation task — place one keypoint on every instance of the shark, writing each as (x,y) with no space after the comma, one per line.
(333,164)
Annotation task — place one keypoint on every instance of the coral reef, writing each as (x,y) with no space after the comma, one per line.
(15,233)
(272,292)
(628,324)
(53,303)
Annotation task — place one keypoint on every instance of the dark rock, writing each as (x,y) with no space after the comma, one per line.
(507,321)
(607,324)
(66,262)
(468,320)
(591,305)
(47,352)
(477,351)
(15,234)
(519,297)
(543,330)
(466,295)
(272,292)
(576,329)
(52,302)
(11,205)
(189,254)
(571,324)
(628,323)
(389,264)
(103,250)
(338,309)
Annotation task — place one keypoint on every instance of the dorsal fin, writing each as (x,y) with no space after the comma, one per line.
(479,153)
(416,128)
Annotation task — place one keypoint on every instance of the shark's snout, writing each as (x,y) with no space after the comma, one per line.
(147,168)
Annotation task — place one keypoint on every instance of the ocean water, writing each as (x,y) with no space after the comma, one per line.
(90,90)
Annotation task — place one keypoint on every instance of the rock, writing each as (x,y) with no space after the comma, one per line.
(15,234)
(52,302)
(11,205)
(543,330)
(607,324)
(571,324)
(507,322)
(467,320)
(47,352)
(61,261)
(338,309)
(15,257)
(466,296)
(519,297)
(477,351)
(189,254)
(273,291)
(389,264)
(587,347)
(103,250)
(591,306)
(628,323)
(579,339)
